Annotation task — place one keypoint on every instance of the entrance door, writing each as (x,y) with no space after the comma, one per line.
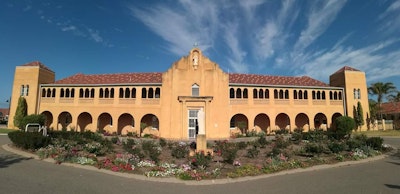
(192,123)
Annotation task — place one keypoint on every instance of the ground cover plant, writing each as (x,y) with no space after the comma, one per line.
(157,157)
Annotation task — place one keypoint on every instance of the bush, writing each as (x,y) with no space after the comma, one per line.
(131,147)
(336,147)
(201,160)
(29,141)
(33,118)
(180,150)
(152,150)
(262,141)
(162,142)
(228,151)
(241,145)
(252,152)
(344,127)
(375,142)
(314,148)
(281,132)
(316,135)
(281,142)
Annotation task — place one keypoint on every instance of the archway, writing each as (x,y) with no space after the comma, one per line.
(283,121)
(334,117)
(149,124)
(104,120)
(64,120)
(262,121)
(302,122)
(125,120)
(84,120)
(320,121)
(241,122)
(48,118)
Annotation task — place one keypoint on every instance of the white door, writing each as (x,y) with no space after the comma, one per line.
(192,120)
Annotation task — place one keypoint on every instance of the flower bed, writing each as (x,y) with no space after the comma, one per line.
(162,158)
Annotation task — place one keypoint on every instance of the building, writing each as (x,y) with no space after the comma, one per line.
(391,112)
(166,104)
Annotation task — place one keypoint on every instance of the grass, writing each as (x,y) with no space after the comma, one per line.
(391,133)
(6,130)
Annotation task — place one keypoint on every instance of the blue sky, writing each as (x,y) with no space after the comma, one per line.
(275,37)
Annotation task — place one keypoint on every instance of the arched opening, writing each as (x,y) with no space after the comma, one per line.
(48,118)
(149,125)
(320,121)
(255,93)
(125,121)
(231,93)
(334,117)
(262,121)
(151,93)
(302,122)
(240,122)
(238,93)
(104,121)
(84,120)
(64,120)
(282,121)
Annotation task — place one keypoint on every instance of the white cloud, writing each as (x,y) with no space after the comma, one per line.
(390,19)
(95,35)
(319,19)
(68,28)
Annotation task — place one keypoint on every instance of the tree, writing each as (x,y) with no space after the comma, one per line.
(395,97)
(33,118)
(21,111)
(344,127)
(360,115)
(381,90)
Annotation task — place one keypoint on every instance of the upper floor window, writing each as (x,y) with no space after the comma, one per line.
(195,90)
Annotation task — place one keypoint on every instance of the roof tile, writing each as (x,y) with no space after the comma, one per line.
(274,80)
(37,64)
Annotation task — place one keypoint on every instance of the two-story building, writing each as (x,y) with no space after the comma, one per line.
(166,103)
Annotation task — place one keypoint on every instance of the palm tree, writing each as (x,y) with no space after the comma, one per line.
(395,97)
(381,90)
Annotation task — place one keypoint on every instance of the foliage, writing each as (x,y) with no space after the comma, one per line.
(336,146)
(162,142)
(33,118)
(281,142)
(358,115)
(281,131)
(180,150)
(316,135)
(152,150)
(227,150)
(394,97)
(262,141)
(357,141)
(344,127)
(245,170)
(381,89)
(252,152)
(241,145)
(314,148)
(201,160)
(373,110)
(29,141)
(375,142)
(132,147)
(20,112)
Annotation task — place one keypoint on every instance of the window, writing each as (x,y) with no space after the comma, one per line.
(127,92)
(112,93)
(81,93)
(305,94)
(255,93)
(72,93)
(144,93)
(266,94)
(106,93)
(48,92)
(53,94)
(195,90)
(101,94)
(27,90)
(245,93)
(295,94)
(22,90)
(133,95)
(43,92)
(286,94)
(62,93)
(158,93)
(280,94)
(151,93)
(261,94)
(300,94)
(231,93)
(276,94)
(92,93)
(238,93)
(121,93)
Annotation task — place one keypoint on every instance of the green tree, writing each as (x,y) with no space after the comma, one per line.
(344,127)
(33,118)
(381,90)
(395,97)
(360,115)
(21,111)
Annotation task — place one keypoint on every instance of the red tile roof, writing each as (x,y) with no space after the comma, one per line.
(390,107)
(346,68)
(118,78)
(38,64)
(5,111)
(274,80)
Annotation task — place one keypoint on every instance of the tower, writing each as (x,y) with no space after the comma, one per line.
(27,80)
(355,88)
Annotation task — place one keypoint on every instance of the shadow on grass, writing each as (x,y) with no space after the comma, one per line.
(7,160)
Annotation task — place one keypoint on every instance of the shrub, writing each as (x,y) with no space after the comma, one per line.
(245,170)
(262,141)
(281,132)
(252,152)
(33,118)
(131,147)
(314,148)
(29,141)
(180,150)
(375,142)
(241,145)
(336,147)
(152,150)
(201,160)
(162,142)
(228,151)
(281,142)
(20,112)
(344,127)
(316,135)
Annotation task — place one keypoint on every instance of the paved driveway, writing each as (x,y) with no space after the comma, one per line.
(24,175)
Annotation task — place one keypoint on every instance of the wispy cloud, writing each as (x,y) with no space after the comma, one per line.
(390,19)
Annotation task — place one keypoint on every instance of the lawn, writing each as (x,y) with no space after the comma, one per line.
(6,130)
(391,133)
